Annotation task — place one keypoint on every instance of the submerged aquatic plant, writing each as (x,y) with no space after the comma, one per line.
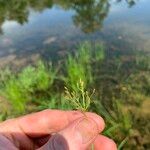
(75,71)
(82,64)
(84,54)
(99,52)
(25,86)
(79,66)
(118,120)
(55,102)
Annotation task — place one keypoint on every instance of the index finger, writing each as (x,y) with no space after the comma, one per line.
(48,122)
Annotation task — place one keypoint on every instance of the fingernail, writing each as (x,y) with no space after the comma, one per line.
(87,129)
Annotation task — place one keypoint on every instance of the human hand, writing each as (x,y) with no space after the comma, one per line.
(54,130)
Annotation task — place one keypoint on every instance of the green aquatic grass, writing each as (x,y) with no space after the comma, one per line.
(118,120)
(99,52)
(122,144)
(3,116)
(55,102)
(84,53)
(75,72)
(78,66)
(14,92)
(35,78)
(143,61)
(24,86)
(5,74)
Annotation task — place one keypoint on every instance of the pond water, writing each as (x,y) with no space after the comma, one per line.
(30,29)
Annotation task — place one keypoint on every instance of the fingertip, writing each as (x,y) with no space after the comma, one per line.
(104,143)
(98,119)
(77,114)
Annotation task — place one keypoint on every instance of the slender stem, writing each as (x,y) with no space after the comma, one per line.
(92,147)
(83,97)
(122,143)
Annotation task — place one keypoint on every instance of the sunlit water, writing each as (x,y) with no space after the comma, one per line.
(49,29)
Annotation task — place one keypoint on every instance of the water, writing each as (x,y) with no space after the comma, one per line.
(30,29)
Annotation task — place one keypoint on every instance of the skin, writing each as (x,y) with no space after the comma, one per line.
(55,130)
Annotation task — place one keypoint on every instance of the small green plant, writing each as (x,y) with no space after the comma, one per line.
(55,102)
(75,72)
(99,52)
(26,85)
(84,53)
(5,74)
(13,92)
(3,116)
(80,100)
(79,66)
(36,78)
(142,61)
(118,120)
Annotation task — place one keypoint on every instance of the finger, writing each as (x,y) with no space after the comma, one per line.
(46,122)
(76,136)
(104,143)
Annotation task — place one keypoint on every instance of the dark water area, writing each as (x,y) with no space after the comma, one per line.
(30,29)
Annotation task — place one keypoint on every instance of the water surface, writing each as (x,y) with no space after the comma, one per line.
(30,29)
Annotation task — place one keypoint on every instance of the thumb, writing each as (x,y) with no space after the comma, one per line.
(77,136)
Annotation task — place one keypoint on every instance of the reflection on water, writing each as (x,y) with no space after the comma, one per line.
(18,10)
(52,27)
(89,14)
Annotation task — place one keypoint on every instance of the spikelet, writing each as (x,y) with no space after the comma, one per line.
(79,99)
